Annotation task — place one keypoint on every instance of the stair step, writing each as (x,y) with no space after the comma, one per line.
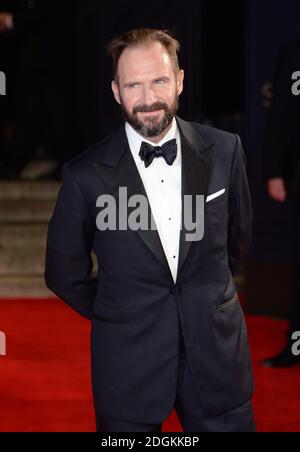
(26,211)
(22,262)
(24,287)
(22,236)
(29,191)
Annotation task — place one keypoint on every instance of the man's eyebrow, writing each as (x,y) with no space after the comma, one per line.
(130,83)
(164,78)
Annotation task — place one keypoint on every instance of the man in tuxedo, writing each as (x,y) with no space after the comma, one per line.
(167,326)
(282,174)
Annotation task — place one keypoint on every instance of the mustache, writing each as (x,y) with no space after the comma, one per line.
(150,108)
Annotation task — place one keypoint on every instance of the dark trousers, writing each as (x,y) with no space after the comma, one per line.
(294,306)
(188,407)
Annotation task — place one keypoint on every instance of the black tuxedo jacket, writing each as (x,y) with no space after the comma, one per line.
(134,306)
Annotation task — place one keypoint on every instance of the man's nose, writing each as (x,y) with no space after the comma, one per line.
(149,96)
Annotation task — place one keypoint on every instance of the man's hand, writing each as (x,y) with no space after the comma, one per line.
(276,189)
(6,22)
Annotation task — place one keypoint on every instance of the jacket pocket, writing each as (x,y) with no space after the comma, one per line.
(102,318)
(228,303)
(110,312)
(216,202)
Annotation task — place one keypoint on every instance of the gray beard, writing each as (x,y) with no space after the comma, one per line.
(151,129)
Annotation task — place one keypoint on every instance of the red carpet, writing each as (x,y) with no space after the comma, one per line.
(45,376)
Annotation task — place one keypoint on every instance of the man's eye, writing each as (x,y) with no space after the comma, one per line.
(133,85)
(159,82)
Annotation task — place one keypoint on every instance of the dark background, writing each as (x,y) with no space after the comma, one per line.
(67,40)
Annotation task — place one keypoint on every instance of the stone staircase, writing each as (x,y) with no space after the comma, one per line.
(25,210)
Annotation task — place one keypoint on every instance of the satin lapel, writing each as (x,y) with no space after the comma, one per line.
(118,169)
(197,164)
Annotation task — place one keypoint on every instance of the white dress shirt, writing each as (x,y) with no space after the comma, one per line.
(162,184)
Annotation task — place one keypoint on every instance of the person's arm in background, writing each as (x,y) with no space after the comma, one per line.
(7,10)
(6,22)
(69,265)
(15,14)
(277,130)
(240,209)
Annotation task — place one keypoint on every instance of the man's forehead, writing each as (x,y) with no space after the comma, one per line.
(144,58)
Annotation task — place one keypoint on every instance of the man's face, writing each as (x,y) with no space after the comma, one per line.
(148,88)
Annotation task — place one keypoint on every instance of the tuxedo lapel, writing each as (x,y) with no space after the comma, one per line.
(197,164)
(118,169)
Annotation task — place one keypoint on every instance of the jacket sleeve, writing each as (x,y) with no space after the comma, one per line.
(240,209)
(68,263)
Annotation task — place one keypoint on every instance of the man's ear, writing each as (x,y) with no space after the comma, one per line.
(115,89)
(180,78)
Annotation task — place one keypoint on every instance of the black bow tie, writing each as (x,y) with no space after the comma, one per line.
(168,151)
